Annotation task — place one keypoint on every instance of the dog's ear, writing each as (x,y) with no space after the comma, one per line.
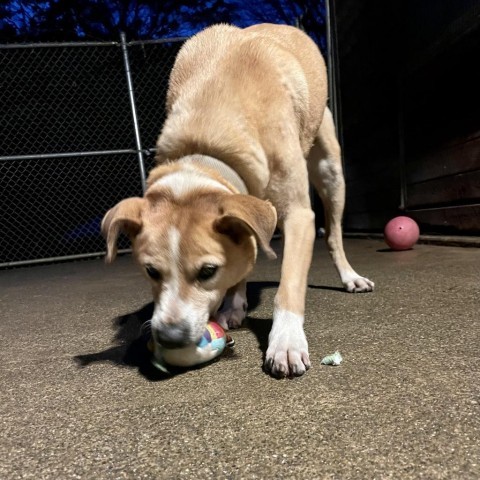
(244,215)
(124,217)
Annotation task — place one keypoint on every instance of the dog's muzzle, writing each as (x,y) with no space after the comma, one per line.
(174,336)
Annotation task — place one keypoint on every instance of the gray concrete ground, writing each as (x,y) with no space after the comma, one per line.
(78,399)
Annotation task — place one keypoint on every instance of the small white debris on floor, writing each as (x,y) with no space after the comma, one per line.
(333,359)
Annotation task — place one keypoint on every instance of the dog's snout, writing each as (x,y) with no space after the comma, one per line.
(172,336)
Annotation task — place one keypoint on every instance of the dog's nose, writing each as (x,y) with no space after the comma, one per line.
(173,336)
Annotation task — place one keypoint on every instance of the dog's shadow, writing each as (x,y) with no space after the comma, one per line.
(130,341)
(129,346)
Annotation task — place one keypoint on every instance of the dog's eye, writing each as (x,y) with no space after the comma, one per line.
(153,273)
(207,272)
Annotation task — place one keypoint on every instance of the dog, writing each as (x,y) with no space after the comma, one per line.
(247,129)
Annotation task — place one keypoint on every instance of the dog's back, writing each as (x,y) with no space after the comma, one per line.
(232,91)
(310,69)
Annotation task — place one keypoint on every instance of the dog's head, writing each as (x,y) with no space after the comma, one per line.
(192,250)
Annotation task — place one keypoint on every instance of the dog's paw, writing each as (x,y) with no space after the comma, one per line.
(287,356)
(287,353)
(354,283)
(233,311)
(230,318)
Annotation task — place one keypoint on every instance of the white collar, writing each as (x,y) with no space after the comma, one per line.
(227,172)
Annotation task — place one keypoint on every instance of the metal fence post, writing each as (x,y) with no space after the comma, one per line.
(333,80)
(138,142)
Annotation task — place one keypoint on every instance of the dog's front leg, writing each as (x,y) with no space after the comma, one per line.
(287,352)
(234,308)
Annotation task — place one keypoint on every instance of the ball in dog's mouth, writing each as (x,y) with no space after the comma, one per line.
(211,345)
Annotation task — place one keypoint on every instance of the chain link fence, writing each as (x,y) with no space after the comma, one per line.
(78,122)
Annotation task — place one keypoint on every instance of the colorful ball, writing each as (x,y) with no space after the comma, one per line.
(401,233)
(210,346)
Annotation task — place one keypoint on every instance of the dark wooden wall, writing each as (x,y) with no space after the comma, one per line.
(408,83)
(441,99)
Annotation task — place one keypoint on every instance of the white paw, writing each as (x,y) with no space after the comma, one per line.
(287,353)
(354,283)
(233,312)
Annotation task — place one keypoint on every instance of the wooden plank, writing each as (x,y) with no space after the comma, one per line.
(441,100)
(457,158)
(462,188)
(462,219)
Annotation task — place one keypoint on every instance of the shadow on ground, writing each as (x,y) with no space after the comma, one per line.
(130,345)
(130,340)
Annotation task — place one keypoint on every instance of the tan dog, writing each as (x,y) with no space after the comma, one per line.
(247,129)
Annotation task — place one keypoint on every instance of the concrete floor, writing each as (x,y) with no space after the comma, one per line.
(79,400)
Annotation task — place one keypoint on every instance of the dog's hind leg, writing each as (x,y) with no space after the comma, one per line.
(326,174)
(234,308)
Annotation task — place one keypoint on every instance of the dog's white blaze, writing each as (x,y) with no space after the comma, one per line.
(174,250)
(184,181)
(168,303)
(171,304)
(185,307)
(171,293)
